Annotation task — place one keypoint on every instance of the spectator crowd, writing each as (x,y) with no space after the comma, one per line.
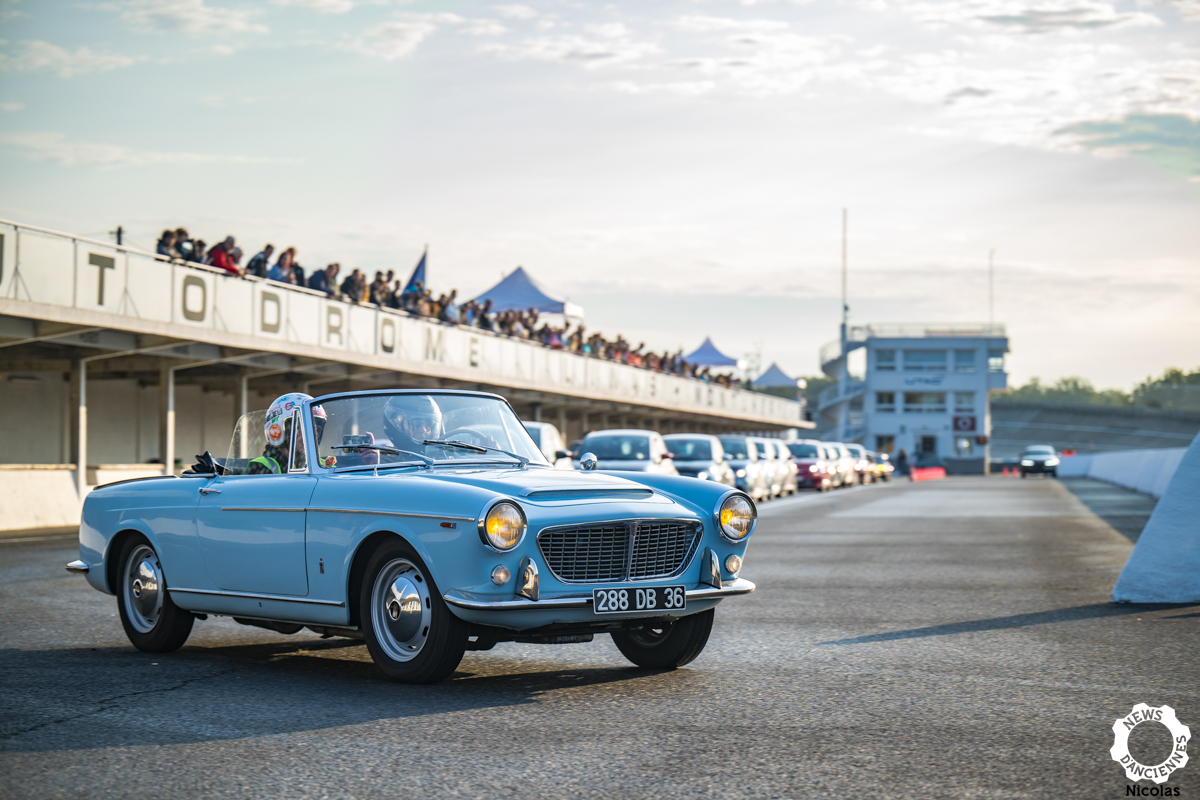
(387,291)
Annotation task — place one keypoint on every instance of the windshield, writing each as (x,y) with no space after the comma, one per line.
(1039,450)
(361,429)
(618,447)
(804,450)
(735,448)
(765,450)
(690,449)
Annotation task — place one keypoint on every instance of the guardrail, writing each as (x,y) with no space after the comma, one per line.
(47,274)
(1145,471)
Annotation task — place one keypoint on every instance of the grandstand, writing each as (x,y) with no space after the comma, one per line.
(1087,428)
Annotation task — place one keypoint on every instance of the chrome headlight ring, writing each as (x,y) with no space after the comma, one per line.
(481,525)
(717,515)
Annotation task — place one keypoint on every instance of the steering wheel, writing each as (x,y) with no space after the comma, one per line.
(471,436)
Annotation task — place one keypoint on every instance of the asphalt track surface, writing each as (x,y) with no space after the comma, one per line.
(943,639)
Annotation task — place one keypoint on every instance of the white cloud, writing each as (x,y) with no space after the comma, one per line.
(185,16)
(607,44)
(320,6)
(391,41)
(53,146)
(703,24)
(12,107)
(39,55)
(484,27)
(1028,16)
(516,12)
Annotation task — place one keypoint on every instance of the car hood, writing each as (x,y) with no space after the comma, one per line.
(533,482)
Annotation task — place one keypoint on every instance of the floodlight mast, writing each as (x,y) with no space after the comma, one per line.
(991,287)
(844,369)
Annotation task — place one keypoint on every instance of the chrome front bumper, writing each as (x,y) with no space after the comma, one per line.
(78,567)
(481,603)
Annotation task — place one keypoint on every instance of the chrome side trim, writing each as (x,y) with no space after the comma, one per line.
(388,513)
(252,596)
(78,567)
(735,587)
(252,508)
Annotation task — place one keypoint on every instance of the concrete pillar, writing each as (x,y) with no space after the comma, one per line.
(243,410)
(562,423)
(79,389)
(583,424)
(535,410)
(168,421)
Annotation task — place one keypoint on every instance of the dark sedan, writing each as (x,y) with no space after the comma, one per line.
(1039,459)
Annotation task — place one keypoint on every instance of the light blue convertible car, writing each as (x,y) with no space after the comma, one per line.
(426,523)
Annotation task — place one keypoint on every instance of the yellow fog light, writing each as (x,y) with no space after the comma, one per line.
(502,526)
(736,517)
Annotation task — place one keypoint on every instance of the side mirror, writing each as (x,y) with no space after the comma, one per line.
(561,454)
(587,461)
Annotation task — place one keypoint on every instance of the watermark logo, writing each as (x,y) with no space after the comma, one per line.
(1180,734)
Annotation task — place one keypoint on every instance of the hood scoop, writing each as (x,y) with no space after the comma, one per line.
(587,492)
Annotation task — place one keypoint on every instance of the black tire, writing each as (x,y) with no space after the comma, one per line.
(411,634)
(667,647)
(150,618)
(1024,474)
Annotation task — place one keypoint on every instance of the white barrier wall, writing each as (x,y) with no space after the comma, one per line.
(1146,471)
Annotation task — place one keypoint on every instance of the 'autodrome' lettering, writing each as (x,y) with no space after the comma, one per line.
(269,322)
(191,286)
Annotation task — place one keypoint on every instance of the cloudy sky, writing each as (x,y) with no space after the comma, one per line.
(678,168)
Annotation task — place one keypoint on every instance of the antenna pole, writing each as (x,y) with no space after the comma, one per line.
(844,369)
(845,306)
(991,287)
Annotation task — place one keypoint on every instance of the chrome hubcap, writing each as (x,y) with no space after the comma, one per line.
(401,610)
(143,588)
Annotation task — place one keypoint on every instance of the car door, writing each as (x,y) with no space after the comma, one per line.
(251,531)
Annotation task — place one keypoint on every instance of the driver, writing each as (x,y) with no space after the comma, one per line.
(277,429)
(410,419)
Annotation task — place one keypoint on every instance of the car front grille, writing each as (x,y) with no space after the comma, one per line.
(615,551)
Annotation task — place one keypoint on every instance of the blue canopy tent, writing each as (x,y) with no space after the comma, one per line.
(707,355)
(519,291)
(774,378)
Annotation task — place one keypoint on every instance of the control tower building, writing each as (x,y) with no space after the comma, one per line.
(920,388)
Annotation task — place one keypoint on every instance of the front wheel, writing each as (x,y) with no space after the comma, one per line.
(409,631)
(669,645)
(150,618)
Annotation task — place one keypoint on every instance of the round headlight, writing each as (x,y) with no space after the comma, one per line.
(502,526)
(736,516)
(741,473)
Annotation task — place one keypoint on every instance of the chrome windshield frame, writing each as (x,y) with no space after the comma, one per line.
(314,463)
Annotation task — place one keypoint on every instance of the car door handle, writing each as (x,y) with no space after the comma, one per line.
(206,490)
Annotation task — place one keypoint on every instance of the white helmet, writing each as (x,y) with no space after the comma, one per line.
(275,423)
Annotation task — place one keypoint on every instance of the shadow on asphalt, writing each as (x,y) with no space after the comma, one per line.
(1092,611)
(89,698)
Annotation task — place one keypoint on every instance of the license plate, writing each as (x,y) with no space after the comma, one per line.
(651,598)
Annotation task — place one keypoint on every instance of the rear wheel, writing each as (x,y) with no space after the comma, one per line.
(669,645)
(150,618)
(409,631)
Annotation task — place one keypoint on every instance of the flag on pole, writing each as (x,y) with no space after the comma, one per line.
(418,273)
